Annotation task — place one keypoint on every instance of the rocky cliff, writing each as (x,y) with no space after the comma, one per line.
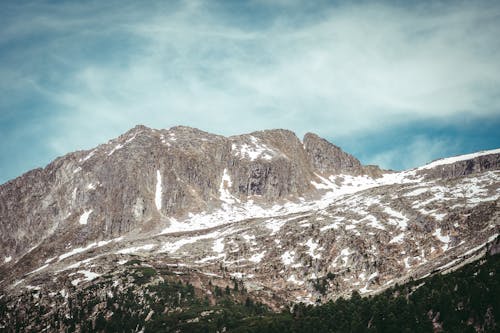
(112,189)
(328,158)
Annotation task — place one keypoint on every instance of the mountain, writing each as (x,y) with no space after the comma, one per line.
(279,219)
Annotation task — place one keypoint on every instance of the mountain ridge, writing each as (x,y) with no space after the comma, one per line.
(291,220)
(255,174)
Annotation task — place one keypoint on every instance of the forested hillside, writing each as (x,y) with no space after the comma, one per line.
(466,300)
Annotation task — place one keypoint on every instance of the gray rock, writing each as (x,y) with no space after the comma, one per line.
(368,239)
(328,158)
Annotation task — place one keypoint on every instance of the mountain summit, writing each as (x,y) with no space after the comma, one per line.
(289,220)
(144,177)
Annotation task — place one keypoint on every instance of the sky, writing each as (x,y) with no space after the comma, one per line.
(395,83)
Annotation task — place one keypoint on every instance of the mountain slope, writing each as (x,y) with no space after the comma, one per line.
(290,221)
(117,187)
(159,301)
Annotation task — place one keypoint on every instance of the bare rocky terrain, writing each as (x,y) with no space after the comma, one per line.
(290,220)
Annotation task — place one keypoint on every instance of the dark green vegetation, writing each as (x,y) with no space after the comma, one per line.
(463,301)
(156,299)
(466,300)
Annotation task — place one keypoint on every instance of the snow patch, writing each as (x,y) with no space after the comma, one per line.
(459,158)
(288,257)
(312,245)
(135,249)
(218,245)
(212,274)
(88,247)
(224,187)
(158,192)
(438,216)
(324,185)
(78,264)
(173,247)
(33,288)
(211,258)
(118,146)
(175,226)
(7,259)
(443,239)
(76,251)
(364,290)
(132,138)
(294,280)
(274,225)
(256,258)
(248,238)
(89,276)
(335,225)
(417,192)
(236,212)
(87,157)
(253,151)
(17,282)
(398,239)
(39,269)
(85,216)
(344,255)
(237,275)
(451,263)
(397,218)
(373,222)
(407,263)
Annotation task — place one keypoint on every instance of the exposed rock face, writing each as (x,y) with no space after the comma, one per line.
(269,163)
(115,184)
(24,209)
(463,168)
(328,158)
(277,214)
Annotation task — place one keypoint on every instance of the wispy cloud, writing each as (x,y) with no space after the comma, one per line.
(419,152)
(235,67)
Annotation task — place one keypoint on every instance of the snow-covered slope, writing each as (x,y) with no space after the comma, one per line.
(459,158)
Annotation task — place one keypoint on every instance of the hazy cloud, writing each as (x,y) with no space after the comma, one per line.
(235,67)
(421,151)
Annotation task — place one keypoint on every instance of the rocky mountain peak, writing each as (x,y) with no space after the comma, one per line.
(278,214)
(327,158)
(145,176)
(138,128)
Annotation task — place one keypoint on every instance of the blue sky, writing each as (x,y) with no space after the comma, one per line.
(395,83)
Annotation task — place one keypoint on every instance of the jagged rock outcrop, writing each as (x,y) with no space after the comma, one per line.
(271,164)
(473,165)
(328,158)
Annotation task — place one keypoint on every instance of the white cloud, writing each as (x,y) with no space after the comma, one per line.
(356,68)
(420,151)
